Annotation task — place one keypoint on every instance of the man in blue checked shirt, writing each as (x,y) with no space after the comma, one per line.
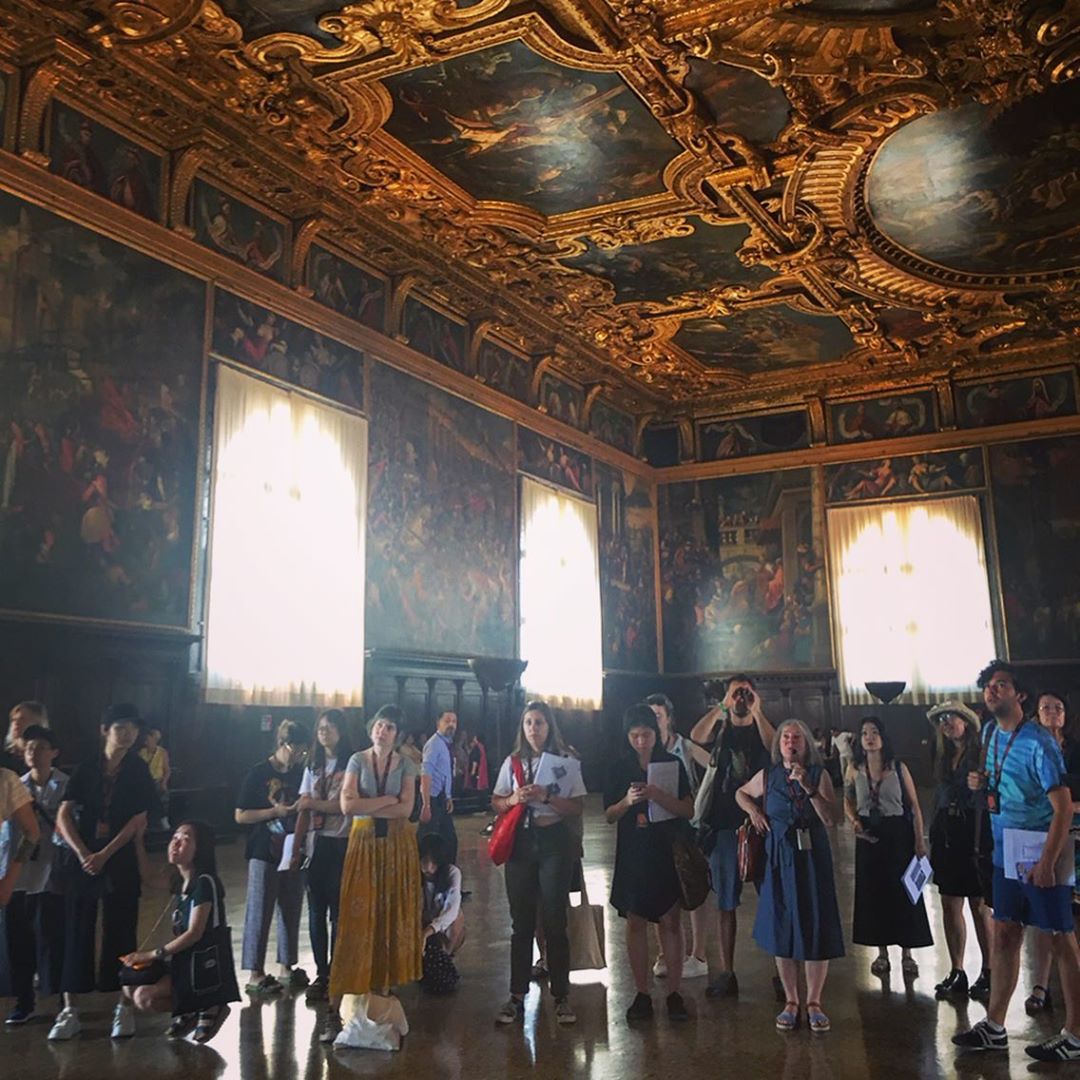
(437,784)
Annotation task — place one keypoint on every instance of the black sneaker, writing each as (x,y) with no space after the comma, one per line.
(318,990)
(676,1007)
(980,988)
(724,985)
(1060,1048)
(513,1012)
(20,1014)
(980,1037)
(955,984)
(640,1008)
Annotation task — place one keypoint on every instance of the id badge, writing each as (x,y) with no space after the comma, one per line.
(802,840)
(993,803)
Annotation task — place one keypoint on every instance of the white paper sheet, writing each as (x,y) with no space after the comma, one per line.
(1022,850)
(287,851)
(559,775)
(664,775)
(915,877)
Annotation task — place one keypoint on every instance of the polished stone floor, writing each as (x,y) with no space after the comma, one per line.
(881,1028)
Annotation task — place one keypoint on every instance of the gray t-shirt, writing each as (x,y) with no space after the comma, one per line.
(401,771)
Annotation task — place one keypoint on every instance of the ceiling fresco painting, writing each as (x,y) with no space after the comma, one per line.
(506,124)
(678,213)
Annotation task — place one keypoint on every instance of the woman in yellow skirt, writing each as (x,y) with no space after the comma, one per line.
(380,932)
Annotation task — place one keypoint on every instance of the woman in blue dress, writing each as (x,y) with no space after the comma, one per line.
(792,802)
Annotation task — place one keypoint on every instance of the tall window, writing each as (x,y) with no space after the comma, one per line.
(285,604)
(560,598)
(911,597)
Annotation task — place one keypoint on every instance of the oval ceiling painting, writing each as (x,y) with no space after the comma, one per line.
(982,193)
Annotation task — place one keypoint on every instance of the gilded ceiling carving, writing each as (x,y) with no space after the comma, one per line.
(680,205)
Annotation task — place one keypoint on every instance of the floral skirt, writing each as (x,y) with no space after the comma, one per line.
(379,933)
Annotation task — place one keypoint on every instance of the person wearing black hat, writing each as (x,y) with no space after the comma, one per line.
(107,801)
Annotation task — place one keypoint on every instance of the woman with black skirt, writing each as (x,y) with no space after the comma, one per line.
(882,805)
(952,844)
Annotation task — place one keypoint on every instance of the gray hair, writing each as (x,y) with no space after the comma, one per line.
(812,757)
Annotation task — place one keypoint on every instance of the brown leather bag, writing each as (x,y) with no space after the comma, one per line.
(751,844)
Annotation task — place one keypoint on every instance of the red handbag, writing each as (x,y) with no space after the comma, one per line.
(501,841)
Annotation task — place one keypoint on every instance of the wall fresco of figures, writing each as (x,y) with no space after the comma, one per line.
(442,534)
(262,339)
(547,459)
(1010,401)
(527,130)
(719,439)
(504,370)
(613,427)
(561,400)
(233,228)
(933,473)
(1037,515)
(434,334)
(891,417)
(346,288)
(100,159)
(627,569)
(100,377)
(742,574)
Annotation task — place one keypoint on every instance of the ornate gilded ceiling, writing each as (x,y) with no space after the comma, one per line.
(682,207)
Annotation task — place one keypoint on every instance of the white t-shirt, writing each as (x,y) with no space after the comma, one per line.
(327,785)
(13,794)
(449,903)
(843,743)
(507,783)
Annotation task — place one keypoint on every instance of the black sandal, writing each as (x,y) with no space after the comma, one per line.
(209,1023)
(1037,1003)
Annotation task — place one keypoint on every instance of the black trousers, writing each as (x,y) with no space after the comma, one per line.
(34,925)
(324,893)
(442,823)
(117,892)
(538,880)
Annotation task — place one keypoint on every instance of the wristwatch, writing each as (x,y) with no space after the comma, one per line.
(160,953)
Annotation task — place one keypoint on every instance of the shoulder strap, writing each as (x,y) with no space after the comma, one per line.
(518,770)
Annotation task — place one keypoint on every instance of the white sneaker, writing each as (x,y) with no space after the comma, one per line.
(66,1026)
(659,969)
(123,1022)
(693,968)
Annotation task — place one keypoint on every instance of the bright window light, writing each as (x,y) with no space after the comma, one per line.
(560,598)
(911,596)
(285,604)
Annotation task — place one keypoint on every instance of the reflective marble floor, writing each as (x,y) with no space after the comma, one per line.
(882,1028)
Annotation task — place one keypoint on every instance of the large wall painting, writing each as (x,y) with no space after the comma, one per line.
(613,427)
(98,158)
(739,100)
(910,413)
(627,569)
(524,129)
(666,268)
(262,339)
(259,17)
(1010,401)
(225,224)
(935,473)
(764,339)
(550,460)
(504,370)
(1037,514)
(100,385)
(442,535)
(344,287)
(985,190)
(742,574)
(434,334)
(561,400)
(719,439)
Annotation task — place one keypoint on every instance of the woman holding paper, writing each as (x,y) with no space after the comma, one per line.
(542,773)
(792,802)
(882,805)
(648,796)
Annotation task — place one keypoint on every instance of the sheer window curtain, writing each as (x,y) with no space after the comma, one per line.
(560,598)
(285,597)
(911,596)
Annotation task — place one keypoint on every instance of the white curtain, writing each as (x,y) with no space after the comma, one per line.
(285,602)
(911,597)
(560,598)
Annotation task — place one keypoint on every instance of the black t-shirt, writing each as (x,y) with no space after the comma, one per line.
(741,755)
(205,889)
(262,788)
(103,806)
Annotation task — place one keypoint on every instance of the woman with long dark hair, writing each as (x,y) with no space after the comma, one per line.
(956,752)
(539,870)
(882,805)
(645,886)
(322,831)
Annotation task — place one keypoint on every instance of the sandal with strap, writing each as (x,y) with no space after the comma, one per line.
(816,1020)
(209,1023)
(1036,1002)
(788,1020)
